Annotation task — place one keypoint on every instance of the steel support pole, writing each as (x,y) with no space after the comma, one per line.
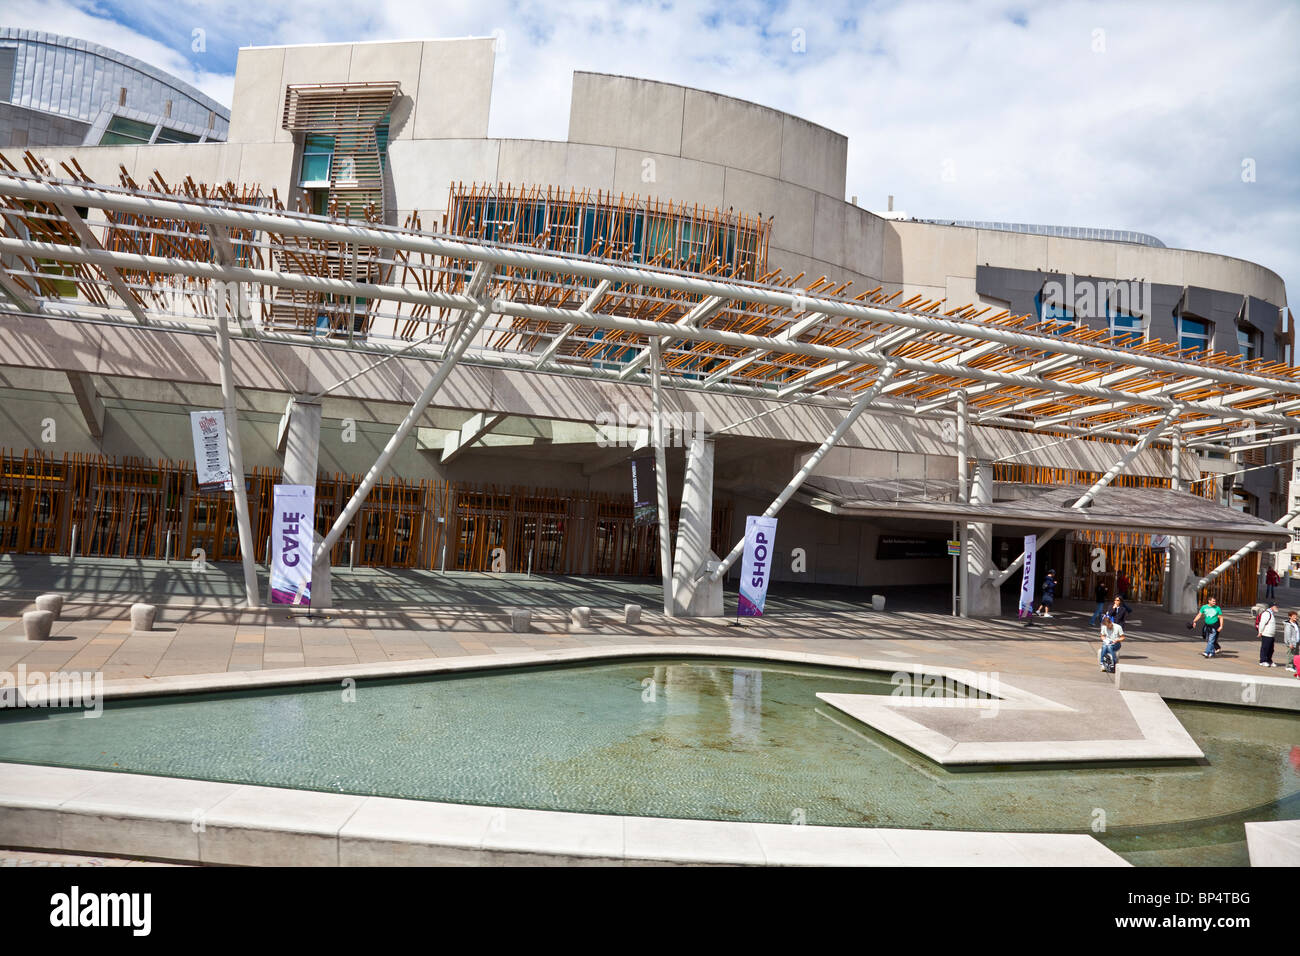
(661,475)
(1250,546)
(1180,598)
(1115,470)
(961,584)
(1047,535)
(19,186)
(510,257)
(478,281)
(797,481)
(236,463)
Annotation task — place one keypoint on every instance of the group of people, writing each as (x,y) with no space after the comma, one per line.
(1265,629)
(1112,615)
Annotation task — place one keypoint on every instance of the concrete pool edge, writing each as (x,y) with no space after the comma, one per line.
(247,680)
(1264,691)
(168,818)
(38,812)
(1162,736)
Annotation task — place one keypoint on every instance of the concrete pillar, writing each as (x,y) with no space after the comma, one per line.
(301,459)
(982,598)
(1180,585)
(694,593)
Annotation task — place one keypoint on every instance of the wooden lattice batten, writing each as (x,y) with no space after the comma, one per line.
(1019,473)
(1131,555)
(1055,393)
(349,113)
(126,508)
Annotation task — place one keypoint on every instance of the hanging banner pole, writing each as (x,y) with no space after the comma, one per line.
(756,571)
(291,544)
(1026,609)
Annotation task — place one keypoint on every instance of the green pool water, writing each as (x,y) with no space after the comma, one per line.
(707,739)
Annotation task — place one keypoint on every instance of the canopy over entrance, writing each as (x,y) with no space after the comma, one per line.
(1140,510)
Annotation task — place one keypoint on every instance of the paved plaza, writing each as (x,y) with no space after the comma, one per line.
(1054,697)
(419,615)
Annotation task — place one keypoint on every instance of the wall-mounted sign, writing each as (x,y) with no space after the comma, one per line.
(211,454)
(892,547)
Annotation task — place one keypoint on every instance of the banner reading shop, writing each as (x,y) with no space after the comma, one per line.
(291,544)
(760,536)
(1027,578)
(211,455)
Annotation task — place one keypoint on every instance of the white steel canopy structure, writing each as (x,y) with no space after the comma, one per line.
(192,258)
(597,318)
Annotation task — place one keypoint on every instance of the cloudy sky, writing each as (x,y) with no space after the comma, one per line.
(1178,119)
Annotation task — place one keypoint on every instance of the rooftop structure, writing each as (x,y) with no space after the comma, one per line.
(62,91)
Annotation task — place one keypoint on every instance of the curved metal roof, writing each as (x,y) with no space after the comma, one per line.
(1060,232)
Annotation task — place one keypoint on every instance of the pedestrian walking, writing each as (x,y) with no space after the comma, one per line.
(1048,595)
(1265,628)
(1291,638)
(1271,581)
(1099,595)
(1212,615)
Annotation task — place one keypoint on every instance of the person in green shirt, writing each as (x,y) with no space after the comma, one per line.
(1212,614)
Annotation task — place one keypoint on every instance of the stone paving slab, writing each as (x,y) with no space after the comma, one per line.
(1271,687)
(1274,843)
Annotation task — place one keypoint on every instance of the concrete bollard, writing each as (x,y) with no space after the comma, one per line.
(631,613)
(52,603)
(580,617)
(877,602)
(520,620)
(143,616)
(37,624)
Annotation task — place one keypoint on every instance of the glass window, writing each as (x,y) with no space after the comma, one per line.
(1054,312)
(7,57)
(661,238)
(1247,343)
(532,221)
(317,156)
(166,135)
(694,242)
(381,139)
(1193,334)
(592,225)
(126,132)
(1126,329)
